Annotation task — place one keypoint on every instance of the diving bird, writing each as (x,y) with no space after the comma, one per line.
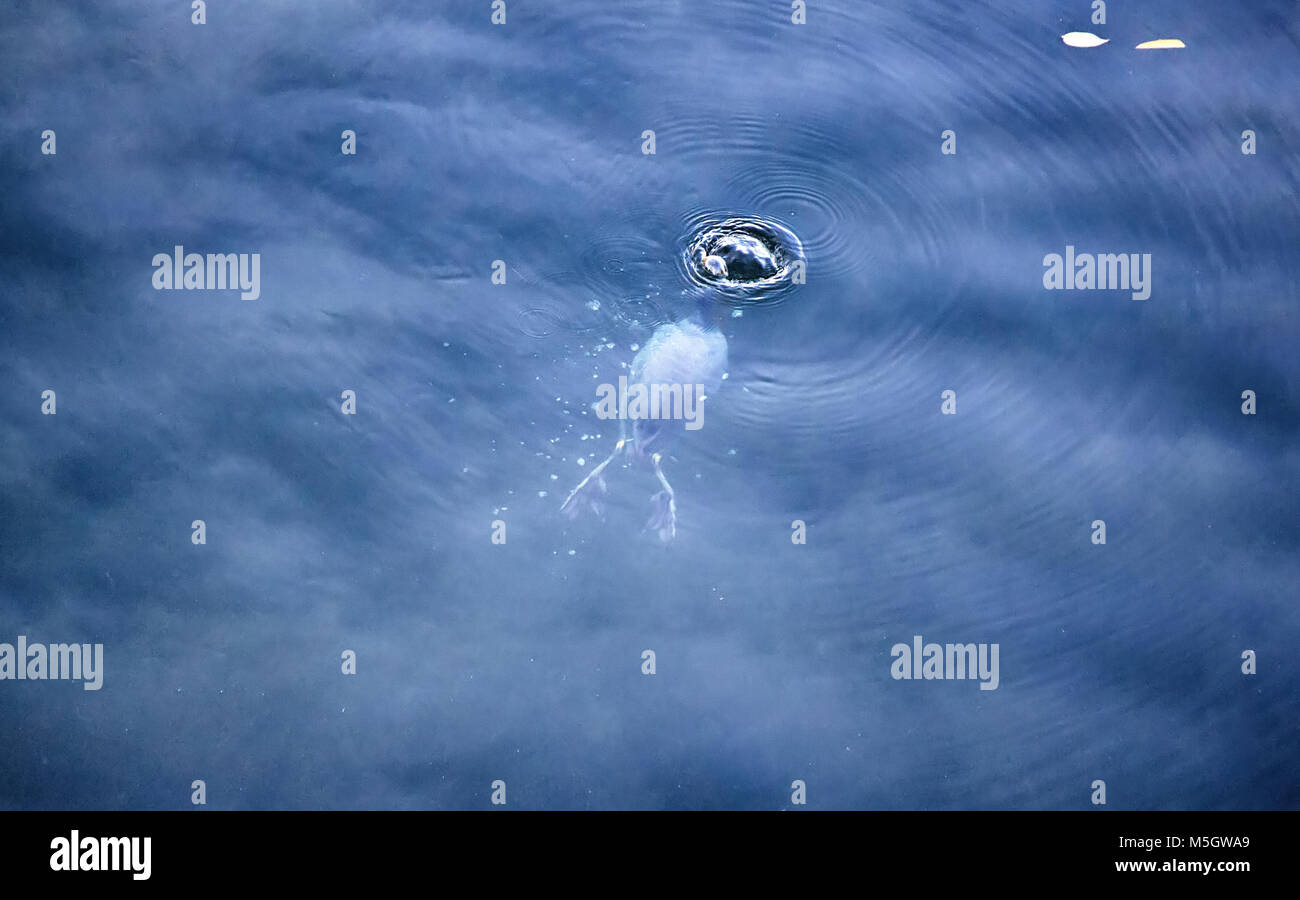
(690,351)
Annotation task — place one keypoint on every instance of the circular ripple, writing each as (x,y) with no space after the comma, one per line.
(618,260)
(538,322)
(830,207)
(641,312)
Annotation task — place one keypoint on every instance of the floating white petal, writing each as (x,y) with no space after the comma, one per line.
(1083,39)
(1162,44)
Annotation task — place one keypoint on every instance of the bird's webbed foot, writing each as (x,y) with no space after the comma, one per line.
(589,495)
(663,519)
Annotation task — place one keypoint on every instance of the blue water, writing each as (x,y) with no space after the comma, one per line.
(522,662)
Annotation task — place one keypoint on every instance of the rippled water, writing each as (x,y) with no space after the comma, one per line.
(523,143)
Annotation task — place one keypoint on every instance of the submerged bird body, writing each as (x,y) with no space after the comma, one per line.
(689,354)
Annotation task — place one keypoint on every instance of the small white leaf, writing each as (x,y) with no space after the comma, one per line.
(1162,44)
(1083,39)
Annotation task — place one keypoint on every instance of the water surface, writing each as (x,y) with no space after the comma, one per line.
(523,143)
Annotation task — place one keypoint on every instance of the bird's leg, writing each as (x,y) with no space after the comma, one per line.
(589,490)
(664,519)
